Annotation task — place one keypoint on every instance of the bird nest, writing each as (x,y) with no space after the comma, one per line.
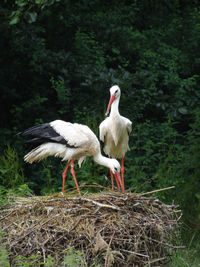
(112,229)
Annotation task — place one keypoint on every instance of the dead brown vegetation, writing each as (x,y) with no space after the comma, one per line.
(112,229)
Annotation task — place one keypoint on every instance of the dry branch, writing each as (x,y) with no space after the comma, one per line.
(157,190)
(102,205)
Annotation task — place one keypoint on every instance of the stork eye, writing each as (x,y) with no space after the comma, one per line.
(116,92)
(115,169)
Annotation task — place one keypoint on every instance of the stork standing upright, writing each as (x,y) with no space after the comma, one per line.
(69,141)
(114,132)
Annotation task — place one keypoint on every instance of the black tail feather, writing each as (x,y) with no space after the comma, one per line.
(44,133)
(37,130)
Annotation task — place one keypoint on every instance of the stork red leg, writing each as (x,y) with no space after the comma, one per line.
(111,175)
(117,177)
(122,170)
(73,174)
(117,182)
(64,176)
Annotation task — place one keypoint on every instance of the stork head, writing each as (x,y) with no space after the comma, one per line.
(114,94)
(114,166)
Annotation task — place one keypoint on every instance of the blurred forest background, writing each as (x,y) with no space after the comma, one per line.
(58,59)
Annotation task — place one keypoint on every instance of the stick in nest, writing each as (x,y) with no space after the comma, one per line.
(106,260)
(100,204)
(156,191)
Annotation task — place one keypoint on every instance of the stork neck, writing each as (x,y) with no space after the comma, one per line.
(101,160)
(115,107)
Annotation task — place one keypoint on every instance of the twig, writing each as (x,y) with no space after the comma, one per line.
(177,211)
(118,197)
(7,226)
(8,214)
(57,239)
(100,204)
(106,260)
(165,244)
(74,226)
(153,261)
(135,253)
(44,255)
(155,191)
(96,186)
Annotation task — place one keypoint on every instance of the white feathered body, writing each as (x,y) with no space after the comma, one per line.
(114,132)
(80,142)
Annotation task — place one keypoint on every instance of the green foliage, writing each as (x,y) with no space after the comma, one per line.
(152,146)
(74,258)
(4,257)
(61,90)
(4,260)
(49,262)
(89,51)
(22,261)
(190,255)
(12,177)
(63,94)
(164,157)
(25,10)
(20,191)
(11,171)
(185,258)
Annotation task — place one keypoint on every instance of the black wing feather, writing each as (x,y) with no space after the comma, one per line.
(44,133)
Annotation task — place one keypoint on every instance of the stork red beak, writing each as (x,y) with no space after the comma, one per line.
(112,98)
(118,177)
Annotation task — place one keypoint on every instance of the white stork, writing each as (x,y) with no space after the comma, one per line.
(114,132)
(69,141)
